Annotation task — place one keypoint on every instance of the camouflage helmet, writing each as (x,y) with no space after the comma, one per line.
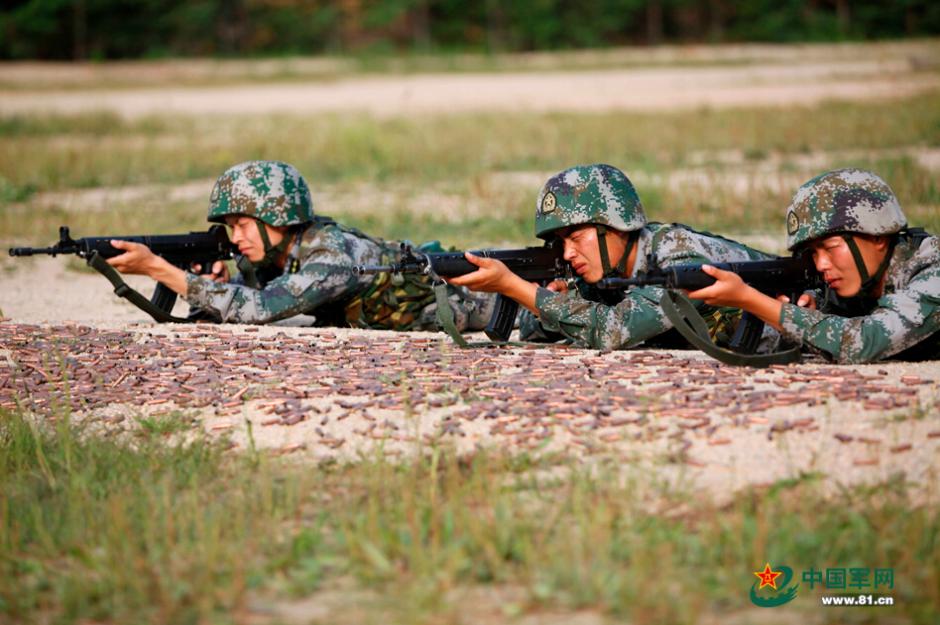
(588,194)
(843,201)
(270,191)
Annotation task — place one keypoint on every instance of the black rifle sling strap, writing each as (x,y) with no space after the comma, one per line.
(122,289)
(689,323)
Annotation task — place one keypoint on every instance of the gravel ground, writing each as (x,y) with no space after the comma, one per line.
(334,393)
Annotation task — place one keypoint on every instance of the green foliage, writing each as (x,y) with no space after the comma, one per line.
(10,192)
(105,29)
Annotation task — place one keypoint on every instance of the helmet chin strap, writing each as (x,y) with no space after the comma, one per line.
(621,267)
(271,252)
(869,283)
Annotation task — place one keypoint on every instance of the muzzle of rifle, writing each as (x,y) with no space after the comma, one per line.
(360,270)
(625,283)
(616,283)
(34,251)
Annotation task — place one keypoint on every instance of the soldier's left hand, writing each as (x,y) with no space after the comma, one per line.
(219,272)
(806,300)
(136,259)
(728,290)
(491,276)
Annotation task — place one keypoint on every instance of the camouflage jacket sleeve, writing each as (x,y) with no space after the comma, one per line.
(901,320)
(531,329)
(325,275)
(590,324)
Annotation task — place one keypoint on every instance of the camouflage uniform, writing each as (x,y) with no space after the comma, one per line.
(905,320)
(318,278)
(580,318)
(601,194)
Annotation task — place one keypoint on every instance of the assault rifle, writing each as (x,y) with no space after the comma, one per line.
(536,264)
(181,250)
(790,276)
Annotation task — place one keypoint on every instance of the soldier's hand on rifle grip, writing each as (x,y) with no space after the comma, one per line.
(136,259)
(492,275)
(219,271)
(728,290)
(558,286)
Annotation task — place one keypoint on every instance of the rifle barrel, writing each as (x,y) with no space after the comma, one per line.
(34,251)
(364,269)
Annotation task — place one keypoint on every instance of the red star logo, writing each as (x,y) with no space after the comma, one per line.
(768,577)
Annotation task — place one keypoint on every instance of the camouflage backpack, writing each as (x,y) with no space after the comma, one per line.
(393,301)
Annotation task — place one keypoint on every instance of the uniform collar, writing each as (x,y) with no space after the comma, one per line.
(644,248)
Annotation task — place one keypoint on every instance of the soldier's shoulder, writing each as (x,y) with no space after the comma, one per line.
(678,241)
(338,244)
(916,256)
(672,239)
(326,235)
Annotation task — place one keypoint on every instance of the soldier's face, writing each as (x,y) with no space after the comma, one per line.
(584,255)
(835,262)
(246,236)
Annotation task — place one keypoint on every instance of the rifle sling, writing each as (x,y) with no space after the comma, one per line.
(121,289)
(689,323)
(445,317)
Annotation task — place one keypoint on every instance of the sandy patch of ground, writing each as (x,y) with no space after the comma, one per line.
(641,89)
(47,290)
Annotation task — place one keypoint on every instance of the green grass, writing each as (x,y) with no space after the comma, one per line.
(140,530)
(462,159)
(94,150)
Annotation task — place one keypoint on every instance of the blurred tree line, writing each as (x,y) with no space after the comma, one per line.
(108,29)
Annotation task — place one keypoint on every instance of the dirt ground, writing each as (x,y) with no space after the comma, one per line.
(776,80)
